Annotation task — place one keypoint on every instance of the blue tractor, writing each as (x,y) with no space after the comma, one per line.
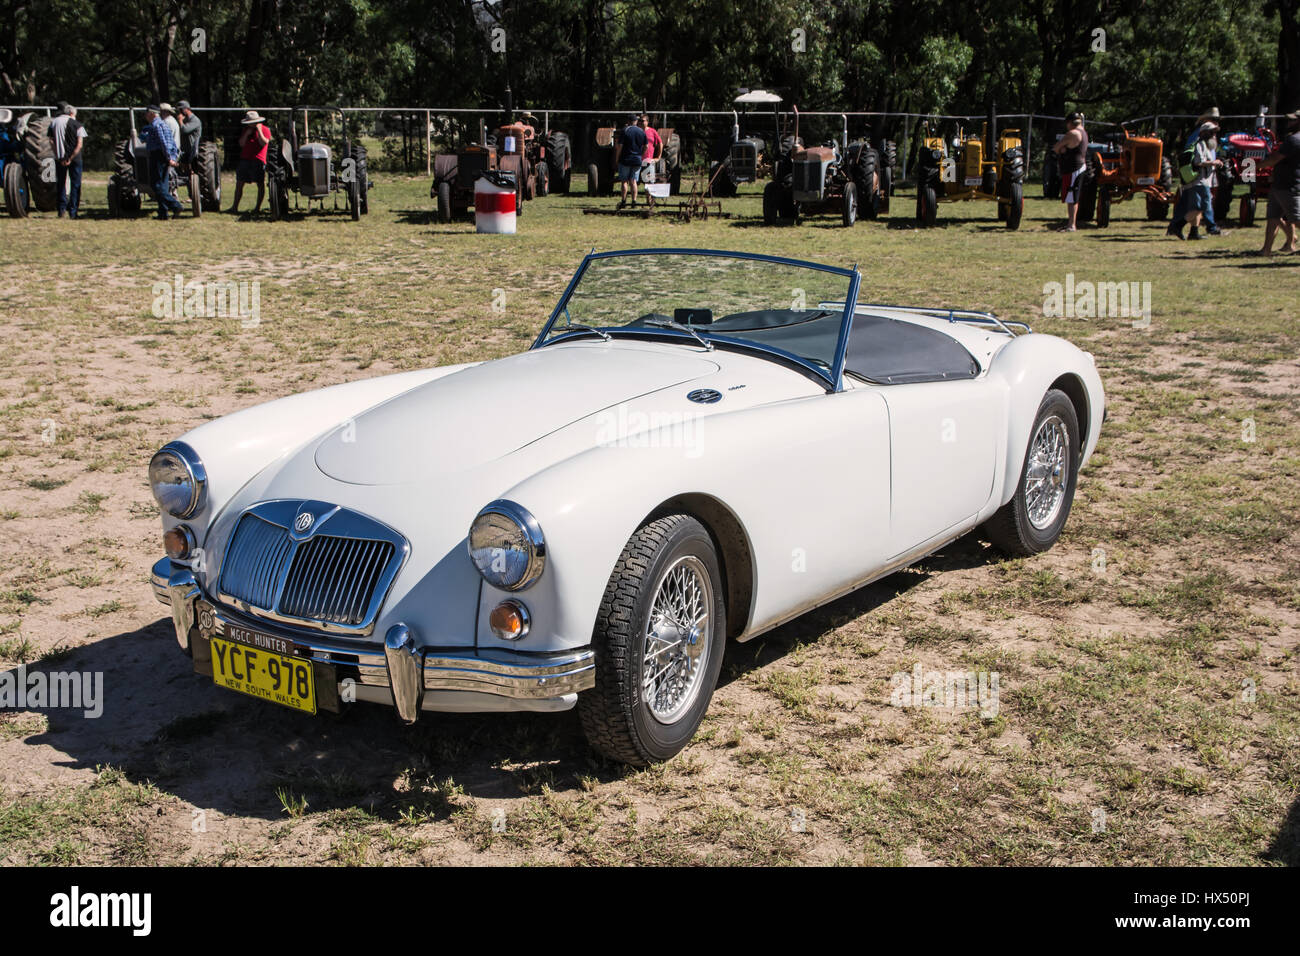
(27,164)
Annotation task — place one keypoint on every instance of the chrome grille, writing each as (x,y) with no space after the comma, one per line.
(334,579)
(311,563)
(255,561)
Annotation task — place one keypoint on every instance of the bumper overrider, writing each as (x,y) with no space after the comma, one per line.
(400,671)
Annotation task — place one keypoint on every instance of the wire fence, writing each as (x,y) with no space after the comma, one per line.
(404,140)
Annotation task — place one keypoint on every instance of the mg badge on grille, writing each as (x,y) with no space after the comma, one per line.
(303,521)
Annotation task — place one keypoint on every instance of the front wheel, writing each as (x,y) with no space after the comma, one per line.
(849,206)
(659,639)
(1032,520)
(275,198)
(354,200)
(593,180)
(1103,208)
(15,190)
(444,202)
(926,202)
(1016,207)
(1246,214)
(196,197)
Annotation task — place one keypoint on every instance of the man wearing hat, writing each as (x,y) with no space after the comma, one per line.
(68,136)
(1072,163)
(191,132)
(252,158)
(628,153)
(163,155)
(169,117)
(1284,191)
(1207,121)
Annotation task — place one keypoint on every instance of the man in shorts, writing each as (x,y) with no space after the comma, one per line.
(1072,161)
(1284,192)
(252,158)
(628,153)
(654,146)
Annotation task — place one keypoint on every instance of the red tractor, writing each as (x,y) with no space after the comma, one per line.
(1241,153)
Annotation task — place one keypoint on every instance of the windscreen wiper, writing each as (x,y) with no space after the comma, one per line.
(670,324)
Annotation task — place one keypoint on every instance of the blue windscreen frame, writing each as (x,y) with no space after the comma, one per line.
(834,381)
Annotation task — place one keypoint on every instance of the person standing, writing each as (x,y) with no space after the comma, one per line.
(163,156)
(1284,191)
(169,117)
(1201,192)
(191,132)
(1179,219)
(628,152)
(1072,162)
(68,136)
(252,158)
(654,149)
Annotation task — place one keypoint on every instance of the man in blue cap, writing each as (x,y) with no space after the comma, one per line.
(163,155)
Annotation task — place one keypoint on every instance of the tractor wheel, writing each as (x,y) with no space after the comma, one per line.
(1002,207)
(363,180)
(209,162)
(593,180)
(444,202)
(354,200)
(1166,175)
(196,195)
(543,179)
(1051,177)
(723,186)
(1246,214)
(886,187)
(1087,199)
(38,160)
(276,200)
(15,190)
(849,205)
(1157,210)
(927,202)
(1016,208)
(1222,201)
(114,207)
(1103,208)
(675,181)
(772,204)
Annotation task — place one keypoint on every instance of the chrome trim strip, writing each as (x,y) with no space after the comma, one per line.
(162,570)
(183,590)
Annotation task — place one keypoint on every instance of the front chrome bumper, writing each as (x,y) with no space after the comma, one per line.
(415,677)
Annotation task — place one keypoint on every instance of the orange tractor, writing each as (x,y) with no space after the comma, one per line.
(1136,164)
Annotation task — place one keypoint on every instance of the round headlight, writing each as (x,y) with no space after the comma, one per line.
(506,545)
(177,479)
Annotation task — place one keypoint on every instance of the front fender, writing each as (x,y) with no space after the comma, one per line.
(1028,366)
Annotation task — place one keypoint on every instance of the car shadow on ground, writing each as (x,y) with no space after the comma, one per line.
(215,749)
(1285,847)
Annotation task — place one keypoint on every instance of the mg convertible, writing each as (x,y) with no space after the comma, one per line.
(698,447)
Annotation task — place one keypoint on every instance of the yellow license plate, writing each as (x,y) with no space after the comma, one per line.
(282,680)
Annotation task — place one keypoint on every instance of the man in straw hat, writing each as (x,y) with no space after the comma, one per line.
(1205,130)
(252,158)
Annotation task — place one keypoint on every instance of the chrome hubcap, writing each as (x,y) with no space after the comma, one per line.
(1047,472)
(676,648)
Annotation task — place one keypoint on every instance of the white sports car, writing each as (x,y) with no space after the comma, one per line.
(698,447)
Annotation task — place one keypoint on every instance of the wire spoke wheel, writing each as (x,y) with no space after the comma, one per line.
(1047,472)
(676,645)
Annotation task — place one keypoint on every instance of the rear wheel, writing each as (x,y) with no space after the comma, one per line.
(849,205)
(444,202)
(1016,208)
(1032,520)
(1157,210)
(209,163)
(886,187)
(15,190)
(354,200)
(1103,208)
(1222,202)
(659,640)
(1087,199)
(275,198)
(38,159)
(1246,214)
(772,204)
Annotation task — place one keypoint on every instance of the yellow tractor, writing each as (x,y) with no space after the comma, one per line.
(990,166)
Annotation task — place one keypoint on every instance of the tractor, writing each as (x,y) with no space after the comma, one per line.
(129,182)
(991,167)
(551,156)
(602,169)
(849,178)
(454,174)
(27,164)
(1241,154)
(1132,165)
(746,158)
(309,170)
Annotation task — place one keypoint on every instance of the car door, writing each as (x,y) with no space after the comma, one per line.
(945,438)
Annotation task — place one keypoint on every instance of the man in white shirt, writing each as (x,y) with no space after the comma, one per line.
(67,135)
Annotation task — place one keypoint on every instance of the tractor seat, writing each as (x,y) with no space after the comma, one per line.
(605,136)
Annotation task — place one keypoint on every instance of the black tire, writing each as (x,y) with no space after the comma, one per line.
(196,194)
(772,204)
(1011,529)
(616,715)
(1246,214)
(359,170)
(15,190)
(593,180)
(114,203)
(1051,176)
(675,181)
(1103,208)
(543,179)
(275,197)
(1166,175)
(1016,208)
(1156,210)
(886,188)
(1002,207)
(444,202)
(927,202)
(209,170)
(354,200)
(849,204)
(1087,199)
(1222,202)
(38,161)
(723,186)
